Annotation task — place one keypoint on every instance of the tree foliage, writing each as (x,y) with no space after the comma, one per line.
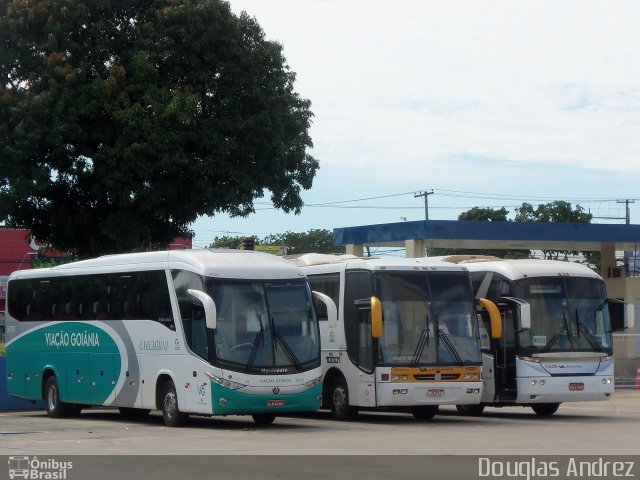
(226,241)
(485,213)
(557,212)
(122,121)
(313,241)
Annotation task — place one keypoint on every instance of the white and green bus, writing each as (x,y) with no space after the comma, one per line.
(407,336)
(203,332)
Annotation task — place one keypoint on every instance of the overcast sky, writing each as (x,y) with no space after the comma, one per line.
(487,103)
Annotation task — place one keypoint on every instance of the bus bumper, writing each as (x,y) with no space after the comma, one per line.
(433,393)
(564,389)
(226,401)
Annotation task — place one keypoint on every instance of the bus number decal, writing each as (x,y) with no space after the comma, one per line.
(332,359)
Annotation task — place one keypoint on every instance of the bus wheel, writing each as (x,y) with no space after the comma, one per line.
(172,416)
(545,409)
(263,418)
(425,412)
(55,407)
(133,413)
(340,408)
(470,410)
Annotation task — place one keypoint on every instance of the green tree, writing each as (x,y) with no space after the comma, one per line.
(313,241)
(558,212)
(227,242)
(122,121)
(486,213)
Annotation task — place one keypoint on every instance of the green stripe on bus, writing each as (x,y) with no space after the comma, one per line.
(84,357)
(226,401)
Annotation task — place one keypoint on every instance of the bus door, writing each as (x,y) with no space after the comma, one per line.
(78,379)
(505,351)
(360,343)
(103,378)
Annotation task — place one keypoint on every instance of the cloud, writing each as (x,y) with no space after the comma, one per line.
(413,84)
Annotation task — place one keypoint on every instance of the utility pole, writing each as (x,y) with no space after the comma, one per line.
(627,218)
(626,204)
(424,194)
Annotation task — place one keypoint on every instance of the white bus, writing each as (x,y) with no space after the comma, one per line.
(407,335)
(201,332)
(556,344)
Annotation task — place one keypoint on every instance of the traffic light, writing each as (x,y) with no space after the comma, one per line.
(248,243)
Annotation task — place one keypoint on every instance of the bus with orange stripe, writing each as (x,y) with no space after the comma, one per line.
(406,337)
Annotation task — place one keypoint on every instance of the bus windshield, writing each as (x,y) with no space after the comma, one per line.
(567,314)
(265,326)
(427,319)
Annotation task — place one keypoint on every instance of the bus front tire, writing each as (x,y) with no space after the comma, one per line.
(545,409)
(172,416)
(470,410)
(55,407)
(340,408)
(263,418)
(424,412)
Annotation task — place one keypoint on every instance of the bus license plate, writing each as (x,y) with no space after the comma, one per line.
(435,392)
(275,403)
(575,387)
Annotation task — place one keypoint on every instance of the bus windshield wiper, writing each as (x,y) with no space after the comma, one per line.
(423,342)
(593,341)
(449,346)
(287,349)
(563,329)
(259,336)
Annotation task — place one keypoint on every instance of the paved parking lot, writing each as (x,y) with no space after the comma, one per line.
(596,428)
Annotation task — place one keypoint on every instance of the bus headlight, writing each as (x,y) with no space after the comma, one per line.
(226,383)
(399,378)
(475,377)
(314,382)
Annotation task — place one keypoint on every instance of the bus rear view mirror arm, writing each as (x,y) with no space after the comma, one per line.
(332,310)
(209,306)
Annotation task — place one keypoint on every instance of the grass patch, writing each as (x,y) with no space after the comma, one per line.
(2,351)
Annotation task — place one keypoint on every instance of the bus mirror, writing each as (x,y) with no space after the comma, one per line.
(329,304)
(622,314)
(376,317)
(525,316)
(208,305)
(494,317)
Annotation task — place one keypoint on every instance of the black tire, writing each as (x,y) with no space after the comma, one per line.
(545,409)
(263,418)
(55,407)
(470,410)
(133,413)
(172,416)
(425,412)
(339,401)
